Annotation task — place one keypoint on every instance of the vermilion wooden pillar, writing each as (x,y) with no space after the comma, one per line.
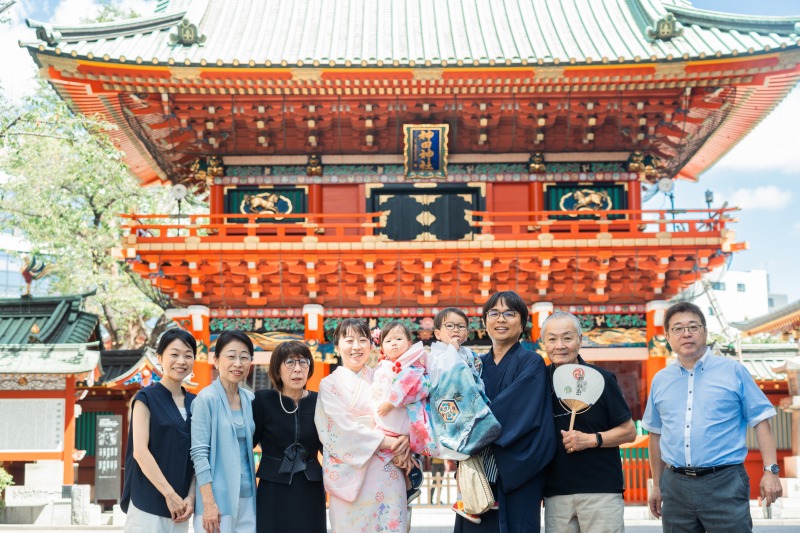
(314,319)
(69,430)
(655,334)
(216,200)
(539,313)
(634,195)
(536,196)
(195,320)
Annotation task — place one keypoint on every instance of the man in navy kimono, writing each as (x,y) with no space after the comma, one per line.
(517,385)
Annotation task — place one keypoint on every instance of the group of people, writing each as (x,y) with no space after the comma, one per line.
(367,424)
(193,454)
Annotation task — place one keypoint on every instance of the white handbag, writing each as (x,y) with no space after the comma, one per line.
(475,490)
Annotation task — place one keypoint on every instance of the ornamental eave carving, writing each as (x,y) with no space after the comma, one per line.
(33,382)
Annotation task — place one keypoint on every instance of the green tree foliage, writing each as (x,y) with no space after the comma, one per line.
(66,184)
(5,481)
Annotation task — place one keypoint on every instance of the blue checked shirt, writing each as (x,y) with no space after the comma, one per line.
(710,431)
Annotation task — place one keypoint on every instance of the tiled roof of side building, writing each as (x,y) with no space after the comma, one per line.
(117,363)
(765,361)
(369,33)
(52,320)
(48,358)
(784,316)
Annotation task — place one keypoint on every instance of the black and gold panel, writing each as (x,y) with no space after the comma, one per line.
(426,214)
(266,200)
(586,198)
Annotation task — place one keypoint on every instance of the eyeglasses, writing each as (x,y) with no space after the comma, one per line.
(290,363)
(494,314)
(449,326)
(680,330)
(243,359)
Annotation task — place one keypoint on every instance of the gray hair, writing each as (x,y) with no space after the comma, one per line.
(563,314)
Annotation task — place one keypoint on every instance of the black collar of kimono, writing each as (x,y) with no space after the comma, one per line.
(517,345)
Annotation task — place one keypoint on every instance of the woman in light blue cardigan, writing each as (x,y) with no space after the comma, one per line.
(222,422)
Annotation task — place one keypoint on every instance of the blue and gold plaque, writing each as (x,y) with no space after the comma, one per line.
(426,150)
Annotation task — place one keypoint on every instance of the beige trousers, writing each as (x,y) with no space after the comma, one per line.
(587,513)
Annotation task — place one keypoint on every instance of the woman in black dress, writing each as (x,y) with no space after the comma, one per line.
(290,495)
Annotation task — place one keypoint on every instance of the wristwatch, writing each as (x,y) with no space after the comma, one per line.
(772,468)
(599,439)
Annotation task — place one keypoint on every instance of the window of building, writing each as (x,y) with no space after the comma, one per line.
(710,311)
(770,302)
(740,287)
(718,285)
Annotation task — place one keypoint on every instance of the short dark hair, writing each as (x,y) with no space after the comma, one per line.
(683,307)
(347,325)
(389,326)
(512,300)
(438,321)
(173,334)
(281,353)
(229,336)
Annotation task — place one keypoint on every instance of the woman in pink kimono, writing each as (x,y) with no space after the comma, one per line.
(367,492)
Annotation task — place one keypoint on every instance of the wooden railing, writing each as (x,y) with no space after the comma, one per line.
(355,226)
(235,227)
(636,223)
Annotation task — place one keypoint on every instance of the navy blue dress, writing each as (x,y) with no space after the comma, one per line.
(170,440)
(519,390)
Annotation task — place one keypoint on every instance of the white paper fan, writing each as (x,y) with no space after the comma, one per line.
(578,387)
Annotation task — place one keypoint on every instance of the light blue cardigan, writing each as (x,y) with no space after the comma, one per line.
(215,448)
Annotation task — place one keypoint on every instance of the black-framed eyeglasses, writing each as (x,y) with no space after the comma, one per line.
(680,330)
(495,314)
(450,326)
(290,363)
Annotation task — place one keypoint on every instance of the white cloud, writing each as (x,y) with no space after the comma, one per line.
(767,197)
(17,68)
(773,144)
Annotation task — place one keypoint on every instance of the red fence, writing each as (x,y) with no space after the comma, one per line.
(636,469)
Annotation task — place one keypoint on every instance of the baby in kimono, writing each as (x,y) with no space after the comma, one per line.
(399,388)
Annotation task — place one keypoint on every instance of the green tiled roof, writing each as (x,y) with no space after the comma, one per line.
(48,359)
(61,320)
(777,314)
(415,33)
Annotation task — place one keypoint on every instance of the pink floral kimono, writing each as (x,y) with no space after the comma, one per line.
(367,492)
(404,383)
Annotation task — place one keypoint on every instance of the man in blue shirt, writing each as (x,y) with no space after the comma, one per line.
(697,448)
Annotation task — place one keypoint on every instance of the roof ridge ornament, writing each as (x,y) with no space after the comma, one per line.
(45,32)
(666,28)
(187,35)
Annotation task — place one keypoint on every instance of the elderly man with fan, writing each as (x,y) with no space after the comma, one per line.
(584,483)
(697,415)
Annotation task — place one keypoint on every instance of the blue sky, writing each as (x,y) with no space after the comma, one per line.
(761,174)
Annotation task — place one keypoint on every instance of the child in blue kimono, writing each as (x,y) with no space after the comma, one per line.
(460,415)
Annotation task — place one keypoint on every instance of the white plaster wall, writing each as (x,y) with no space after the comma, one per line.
(736,305)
